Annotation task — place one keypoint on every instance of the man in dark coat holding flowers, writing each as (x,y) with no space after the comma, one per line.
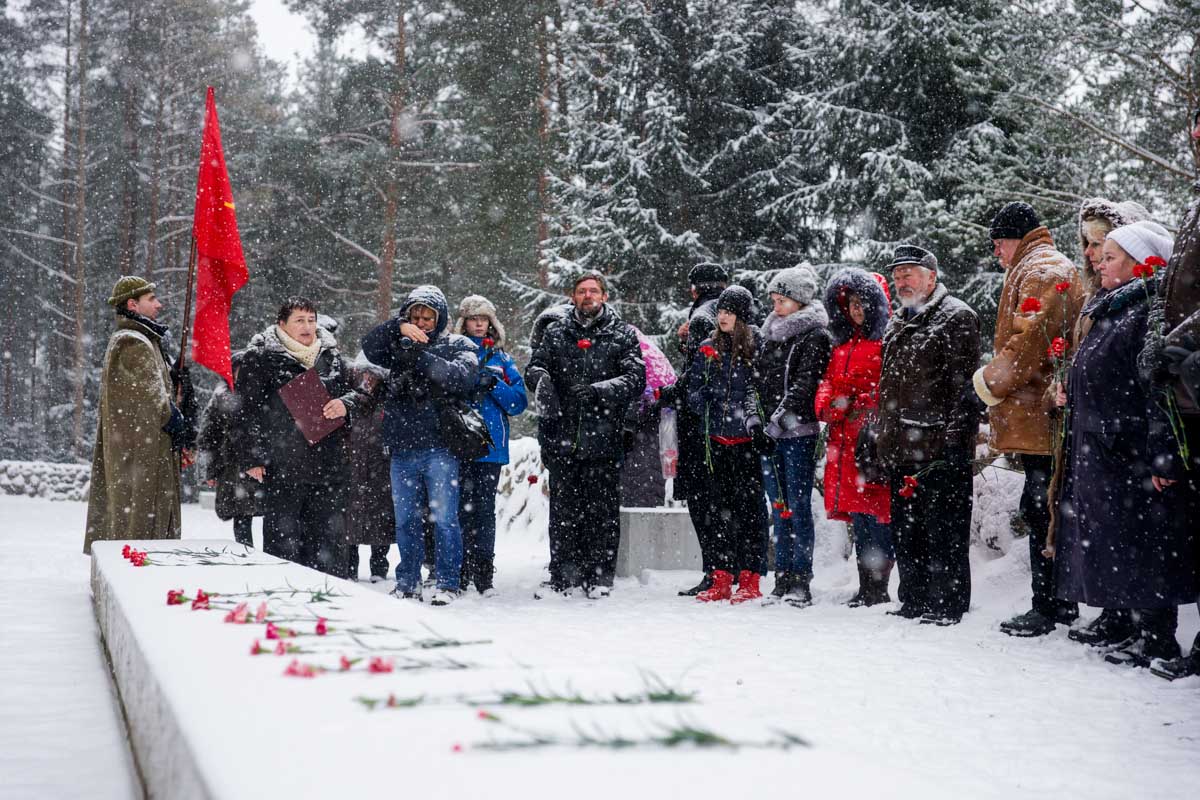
(585,372)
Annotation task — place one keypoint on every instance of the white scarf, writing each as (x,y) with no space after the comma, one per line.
(305,354)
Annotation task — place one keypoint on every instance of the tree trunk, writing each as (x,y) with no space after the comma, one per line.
(155,186)
(129,147)
(543,227)
(387,259)
(80,232)
(58,348)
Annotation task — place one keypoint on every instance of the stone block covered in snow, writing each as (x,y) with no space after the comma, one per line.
(657,538)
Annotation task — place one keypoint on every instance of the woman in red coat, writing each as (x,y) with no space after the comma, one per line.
(859,307)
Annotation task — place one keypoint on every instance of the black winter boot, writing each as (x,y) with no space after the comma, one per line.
(863,595)
(799,594)
(1113,626)
(483,577)
(703,586)
(878,583)
(1183,667)
(1028,625)
(1154,639)
(783,584)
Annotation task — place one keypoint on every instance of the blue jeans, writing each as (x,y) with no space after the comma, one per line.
(793,464)
(872,541)
(417,476)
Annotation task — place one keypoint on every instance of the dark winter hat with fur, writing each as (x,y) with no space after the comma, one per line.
(738,301)
(911,255)
(129,287)
(1014,221)
(871,290)
(707,272)
(798,283)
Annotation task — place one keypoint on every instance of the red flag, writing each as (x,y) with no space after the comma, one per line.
(220,265)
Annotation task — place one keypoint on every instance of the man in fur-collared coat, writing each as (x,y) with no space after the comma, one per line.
(134,490)
(1039,303)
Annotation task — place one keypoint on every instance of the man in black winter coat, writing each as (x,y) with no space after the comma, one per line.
(693,481)
(585,372)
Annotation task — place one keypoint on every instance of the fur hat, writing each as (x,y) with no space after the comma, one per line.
(1115,214)
(1014,221)
(799,283)
(707,272)
(1143,239)
(911,255)
(871,289)
(738,301)
(475,305)
(129,287)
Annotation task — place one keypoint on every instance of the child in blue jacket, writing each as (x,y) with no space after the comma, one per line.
(499,394)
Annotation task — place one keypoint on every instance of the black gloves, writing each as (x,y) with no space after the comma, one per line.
(667,395)
(583,393)
(404,353)
(545,399)
(1185,364)
(487,379)
(759,441)
(176,428)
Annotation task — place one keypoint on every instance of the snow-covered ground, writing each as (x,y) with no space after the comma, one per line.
(886,704)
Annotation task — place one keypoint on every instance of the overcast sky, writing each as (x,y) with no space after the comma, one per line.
(285,37)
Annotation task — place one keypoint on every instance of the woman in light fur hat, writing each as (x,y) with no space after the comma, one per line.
(795,351)
(499,394)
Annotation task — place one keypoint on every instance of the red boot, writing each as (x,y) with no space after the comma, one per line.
(722,587)
(747,587)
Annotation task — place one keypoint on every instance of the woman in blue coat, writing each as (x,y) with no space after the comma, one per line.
(499,394)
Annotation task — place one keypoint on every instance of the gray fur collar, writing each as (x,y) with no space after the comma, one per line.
(781,329)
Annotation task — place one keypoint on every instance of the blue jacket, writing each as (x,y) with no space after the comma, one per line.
(506,399)
(446,367)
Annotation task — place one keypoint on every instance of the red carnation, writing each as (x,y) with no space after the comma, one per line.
(261,614)
(778,505)
(321,629)
(489,342)
(532,479)
(272,631)
(910,481)
(238,615)
(487,716)
(584,344)
(1062,288)
(785,514)
(1143,270)
(281,649)
(1031,305)
(175,597)
(201,600)
(907,491)
(298,670)
(708,351)
(379,665)
(345,664)
(256,649)
(1058,347)
(456,748)
(1155,261)
(125,551)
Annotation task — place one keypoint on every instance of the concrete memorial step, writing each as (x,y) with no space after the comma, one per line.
(656,538)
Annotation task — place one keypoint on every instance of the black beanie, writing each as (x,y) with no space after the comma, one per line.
(738,301)
(707,272)
(1014,221)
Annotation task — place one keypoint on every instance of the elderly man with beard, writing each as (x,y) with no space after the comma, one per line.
(585,372)
(925,438)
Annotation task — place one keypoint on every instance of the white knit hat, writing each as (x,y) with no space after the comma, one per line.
(1143,239)
(476,305)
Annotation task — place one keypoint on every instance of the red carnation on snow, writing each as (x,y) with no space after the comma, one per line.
(321,628)
(489,342)
(272,631)
(256,649)
(1062,288)
(345,664)
(378,664)
(1031,305)
(487,716)
(281,649)
(175,597)
(261,614)
(532,479)
(125,552)
(456,748)
(238,615)
(298,670)
(584,344)
(201,600)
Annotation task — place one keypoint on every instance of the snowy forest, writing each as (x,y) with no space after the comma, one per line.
(500,147)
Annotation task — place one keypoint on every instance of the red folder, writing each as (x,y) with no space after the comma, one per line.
(305,397)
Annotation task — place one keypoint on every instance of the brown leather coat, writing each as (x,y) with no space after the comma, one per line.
(1014,384)
(925,408)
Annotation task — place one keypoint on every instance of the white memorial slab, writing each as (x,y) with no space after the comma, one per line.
(657,538)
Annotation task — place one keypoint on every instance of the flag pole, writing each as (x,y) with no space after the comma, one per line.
(186,333)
